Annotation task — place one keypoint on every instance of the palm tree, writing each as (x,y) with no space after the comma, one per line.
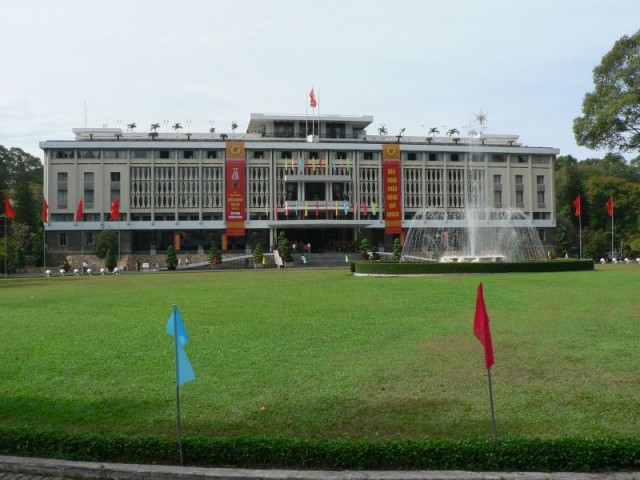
(400,134)
(177,127)
(382,130)
(453,131)
(155,127)
(234,125)
(212,130)
(131,126)
(223,136)
(153,135)
(434,131)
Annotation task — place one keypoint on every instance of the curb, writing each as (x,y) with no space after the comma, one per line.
(97,470)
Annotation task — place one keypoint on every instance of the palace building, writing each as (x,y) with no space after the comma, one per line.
(321,179)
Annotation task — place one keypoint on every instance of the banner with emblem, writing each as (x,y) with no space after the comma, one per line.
(392,175)
(235,166)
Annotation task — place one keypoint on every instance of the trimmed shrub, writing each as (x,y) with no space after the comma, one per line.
(391,268)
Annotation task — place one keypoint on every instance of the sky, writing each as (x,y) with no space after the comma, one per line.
(413,64)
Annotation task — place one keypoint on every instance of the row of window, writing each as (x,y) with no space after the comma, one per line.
(289,154)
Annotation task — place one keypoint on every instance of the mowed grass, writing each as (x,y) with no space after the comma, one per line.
(306,353)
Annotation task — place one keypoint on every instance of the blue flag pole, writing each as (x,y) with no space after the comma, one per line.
(176,343)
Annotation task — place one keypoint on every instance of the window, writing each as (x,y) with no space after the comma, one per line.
(140,153)
(455,157)
(519,199)
(188,154)
(519,180)
(497,179)
(212,154)
(88,179)
(286,154)
(62,239)
(283,129)
(522,159)
(434,157)
(63,198)
(88,239)
(541,235)
(367,156)
(540,179)
(497,198)
(541,199)
(112,154)
(338,191)
(163,154)
(62,190)
(258,154)
(63,154)
(314,191)
(498,157)
(62,180)
(412,156)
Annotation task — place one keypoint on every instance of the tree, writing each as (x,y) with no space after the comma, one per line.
(382,130)
(215,256)
(177,127)
(284,248)
(397,250)
(131,126)
(434,131)
(611,113)
(103,242)
(258,254)
(155,127)
(453,131)
(172,260)
(234,125)
(110,261)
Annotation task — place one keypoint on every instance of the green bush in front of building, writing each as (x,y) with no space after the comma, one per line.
(172,260)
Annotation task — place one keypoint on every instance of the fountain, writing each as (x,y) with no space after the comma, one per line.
(478,234)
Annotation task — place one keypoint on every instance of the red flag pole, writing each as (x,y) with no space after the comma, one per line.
(493,413)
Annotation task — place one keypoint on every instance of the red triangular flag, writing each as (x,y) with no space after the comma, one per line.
(45,212)
(8,208)
(115,209)
(481,328)
(313,102)
(610,206)
(576,204)
(79,212)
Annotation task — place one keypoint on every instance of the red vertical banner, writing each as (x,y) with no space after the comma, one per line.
(235,189)
(392,178)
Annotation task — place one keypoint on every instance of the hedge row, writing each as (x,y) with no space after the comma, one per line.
(566,454)
(389,268)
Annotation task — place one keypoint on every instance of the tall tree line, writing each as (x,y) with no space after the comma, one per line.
(21,179)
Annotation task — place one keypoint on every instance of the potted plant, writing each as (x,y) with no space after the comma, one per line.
(172,260)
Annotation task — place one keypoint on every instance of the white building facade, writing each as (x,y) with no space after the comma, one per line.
(321,180)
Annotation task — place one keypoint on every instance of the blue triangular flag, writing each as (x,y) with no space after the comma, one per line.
(175,327)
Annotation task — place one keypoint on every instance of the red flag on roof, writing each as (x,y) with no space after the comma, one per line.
(8,208)
(481,328)
(610,206)
(115,209)
(313,102)
(79,212)
(576,204)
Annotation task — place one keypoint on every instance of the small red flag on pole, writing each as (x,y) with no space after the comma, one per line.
(115,209)
(45,212)
(610,206)
(481,328)
(8,208)
(79,211)
(481,331)
(576,204)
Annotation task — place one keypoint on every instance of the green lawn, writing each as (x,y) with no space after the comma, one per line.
(306,353)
